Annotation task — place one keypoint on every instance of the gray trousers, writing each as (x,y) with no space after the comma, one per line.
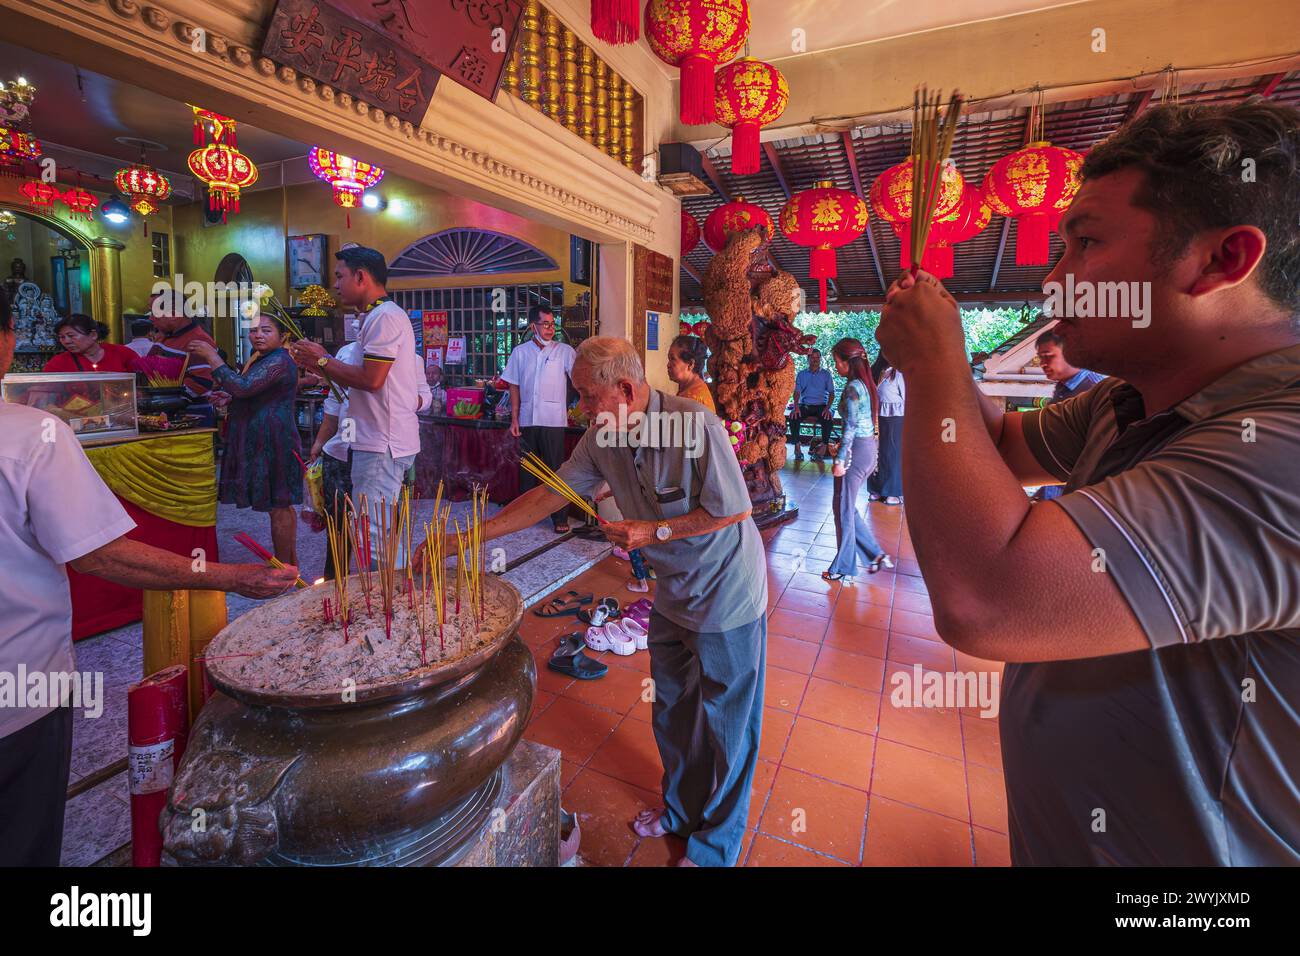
(853,534)
(707,716)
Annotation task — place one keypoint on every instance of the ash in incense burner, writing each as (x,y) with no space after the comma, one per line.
(326,751)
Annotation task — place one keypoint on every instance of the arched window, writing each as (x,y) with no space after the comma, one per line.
(463,251)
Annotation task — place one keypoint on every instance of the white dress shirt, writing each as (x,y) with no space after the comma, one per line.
(542,374)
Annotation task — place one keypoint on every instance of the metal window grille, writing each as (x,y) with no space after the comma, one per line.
(492,319)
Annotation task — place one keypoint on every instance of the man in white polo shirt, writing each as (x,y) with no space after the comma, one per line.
(538,374)
(384,391)
(55,511)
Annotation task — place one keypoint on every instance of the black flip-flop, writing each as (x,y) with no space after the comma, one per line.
(569,645)
(578,665)
(560,606)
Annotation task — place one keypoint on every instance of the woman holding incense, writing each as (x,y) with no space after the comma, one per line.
(854,462)
(261,468)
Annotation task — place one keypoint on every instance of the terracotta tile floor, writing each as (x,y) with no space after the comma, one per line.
(843,778)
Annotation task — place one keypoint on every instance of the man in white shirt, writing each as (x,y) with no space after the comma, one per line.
(538,375)
(55,511)
(383,392)
(335,443)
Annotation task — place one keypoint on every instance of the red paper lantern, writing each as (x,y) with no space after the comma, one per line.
(225,171)
(616,21)
(891,200)
(17,148)
(1034,186)
(748,94)
(42,196)
(966,222)
(696,36)
(81,203)
(144,188)
(733,217)
(690,232)
(349,177)
(825,218)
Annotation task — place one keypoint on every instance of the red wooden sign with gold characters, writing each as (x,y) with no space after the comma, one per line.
(468,41)
(328,45)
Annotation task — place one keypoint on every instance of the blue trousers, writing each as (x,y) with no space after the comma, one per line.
(707,717)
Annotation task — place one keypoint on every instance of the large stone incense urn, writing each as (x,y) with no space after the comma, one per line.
(401,771)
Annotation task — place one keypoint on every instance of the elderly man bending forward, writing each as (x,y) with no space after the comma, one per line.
(679,486)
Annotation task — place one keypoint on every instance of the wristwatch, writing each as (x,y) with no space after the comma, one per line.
(322,361)
(662,531)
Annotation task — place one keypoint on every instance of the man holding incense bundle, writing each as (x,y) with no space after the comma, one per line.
(383,391)
(1150,709)
(682,492)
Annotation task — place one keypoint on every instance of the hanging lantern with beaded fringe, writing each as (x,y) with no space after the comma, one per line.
(748,95)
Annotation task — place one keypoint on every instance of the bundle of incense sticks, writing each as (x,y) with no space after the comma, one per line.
(359,534)
(932,138)
(340,549)
(265,555)
(543,473)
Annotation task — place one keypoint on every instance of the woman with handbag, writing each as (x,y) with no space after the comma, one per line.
(854,462)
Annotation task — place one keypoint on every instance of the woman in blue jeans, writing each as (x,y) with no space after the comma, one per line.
(856,459)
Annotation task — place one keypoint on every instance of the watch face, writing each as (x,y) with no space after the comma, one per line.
(663,534)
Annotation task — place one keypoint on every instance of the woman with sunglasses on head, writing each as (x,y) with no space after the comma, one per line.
(854,462)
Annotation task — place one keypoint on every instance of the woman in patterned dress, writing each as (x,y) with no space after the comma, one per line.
(260,469)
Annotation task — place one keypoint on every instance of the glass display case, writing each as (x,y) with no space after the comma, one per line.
(96,405)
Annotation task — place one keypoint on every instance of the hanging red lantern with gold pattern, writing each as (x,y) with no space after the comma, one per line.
(1034,185)
(41,196)
(690,233)
(220,126)
(966,222)
(349,177)
(144,188)
(825,218)
(616,21)
(224,170)
(81,203)
(17,148)
(696,36)
(733,217)
(748,95)
(891,199)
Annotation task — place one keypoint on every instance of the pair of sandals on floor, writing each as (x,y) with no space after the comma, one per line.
(873,567)
(623,633)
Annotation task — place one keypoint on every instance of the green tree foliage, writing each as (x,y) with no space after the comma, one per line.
(986,329)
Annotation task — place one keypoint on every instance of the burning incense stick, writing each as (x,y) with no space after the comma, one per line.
(265,555)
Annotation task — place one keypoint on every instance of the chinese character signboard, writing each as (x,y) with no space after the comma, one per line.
(652,291)
(469,41)
(318,40)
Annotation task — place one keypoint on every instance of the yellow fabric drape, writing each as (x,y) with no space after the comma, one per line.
(172,476)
